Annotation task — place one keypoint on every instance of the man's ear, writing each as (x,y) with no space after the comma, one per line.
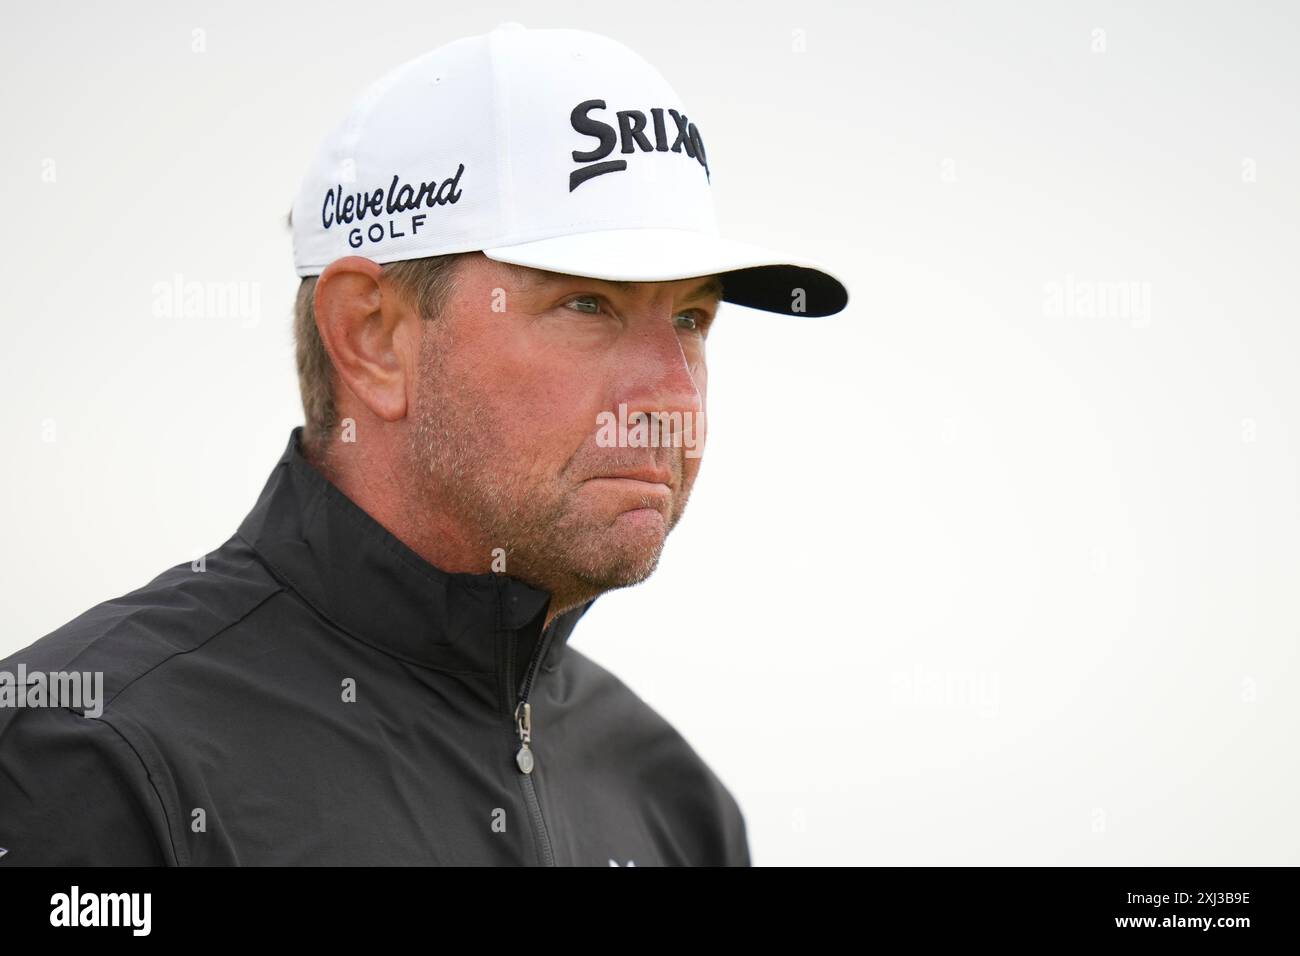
(363,330)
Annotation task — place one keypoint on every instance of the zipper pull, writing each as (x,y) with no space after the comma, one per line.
(525,725)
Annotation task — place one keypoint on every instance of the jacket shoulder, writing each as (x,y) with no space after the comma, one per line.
(177,612)
(74,787)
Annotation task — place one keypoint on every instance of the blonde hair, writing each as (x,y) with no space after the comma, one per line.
(427,283)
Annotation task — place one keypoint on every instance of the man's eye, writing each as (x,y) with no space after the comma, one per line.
(595,302)
(692,320)
(697,320)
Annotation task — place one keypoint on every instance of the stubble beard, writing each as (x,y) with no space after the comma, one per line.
(464,467)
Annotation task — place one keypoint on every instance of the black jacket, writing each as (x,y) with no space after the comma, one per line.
(313,692)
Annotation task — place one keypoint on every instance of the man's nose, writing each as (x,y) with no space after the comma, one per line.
(664,378)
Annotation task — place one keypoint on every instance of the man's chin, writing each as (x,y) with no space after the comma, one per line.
(628,551)
(613,577)
(648,523)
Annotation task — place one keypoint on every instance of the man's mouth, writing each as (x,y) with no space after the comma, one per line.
(636,484)
(646,491)
(646,476)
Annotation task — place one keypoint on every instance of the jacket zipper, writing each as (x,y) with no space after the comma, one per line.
(525,759)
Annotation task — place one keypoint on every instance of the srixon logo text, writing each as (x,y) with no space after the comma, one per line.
(672,132)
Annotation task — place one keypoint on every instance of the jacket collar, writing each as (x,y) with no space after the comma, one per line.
(362,578)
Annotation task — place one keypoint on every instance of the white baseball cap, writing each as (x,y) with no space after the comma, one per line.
(557,149)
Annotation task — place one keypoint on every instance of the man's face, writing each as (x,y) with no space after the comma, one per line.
(519,392)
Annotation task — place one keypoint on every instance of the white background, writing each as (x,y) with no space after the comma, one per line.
(966,578)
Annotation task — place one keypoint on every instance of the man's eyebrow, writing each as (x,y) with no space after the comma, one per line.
(710,288)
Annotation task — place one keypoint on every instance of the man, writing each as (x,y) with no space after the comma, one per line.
(510,268)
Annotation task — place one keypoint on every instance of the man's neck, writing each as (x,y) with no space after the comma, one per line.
(433,537)
(374,484)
